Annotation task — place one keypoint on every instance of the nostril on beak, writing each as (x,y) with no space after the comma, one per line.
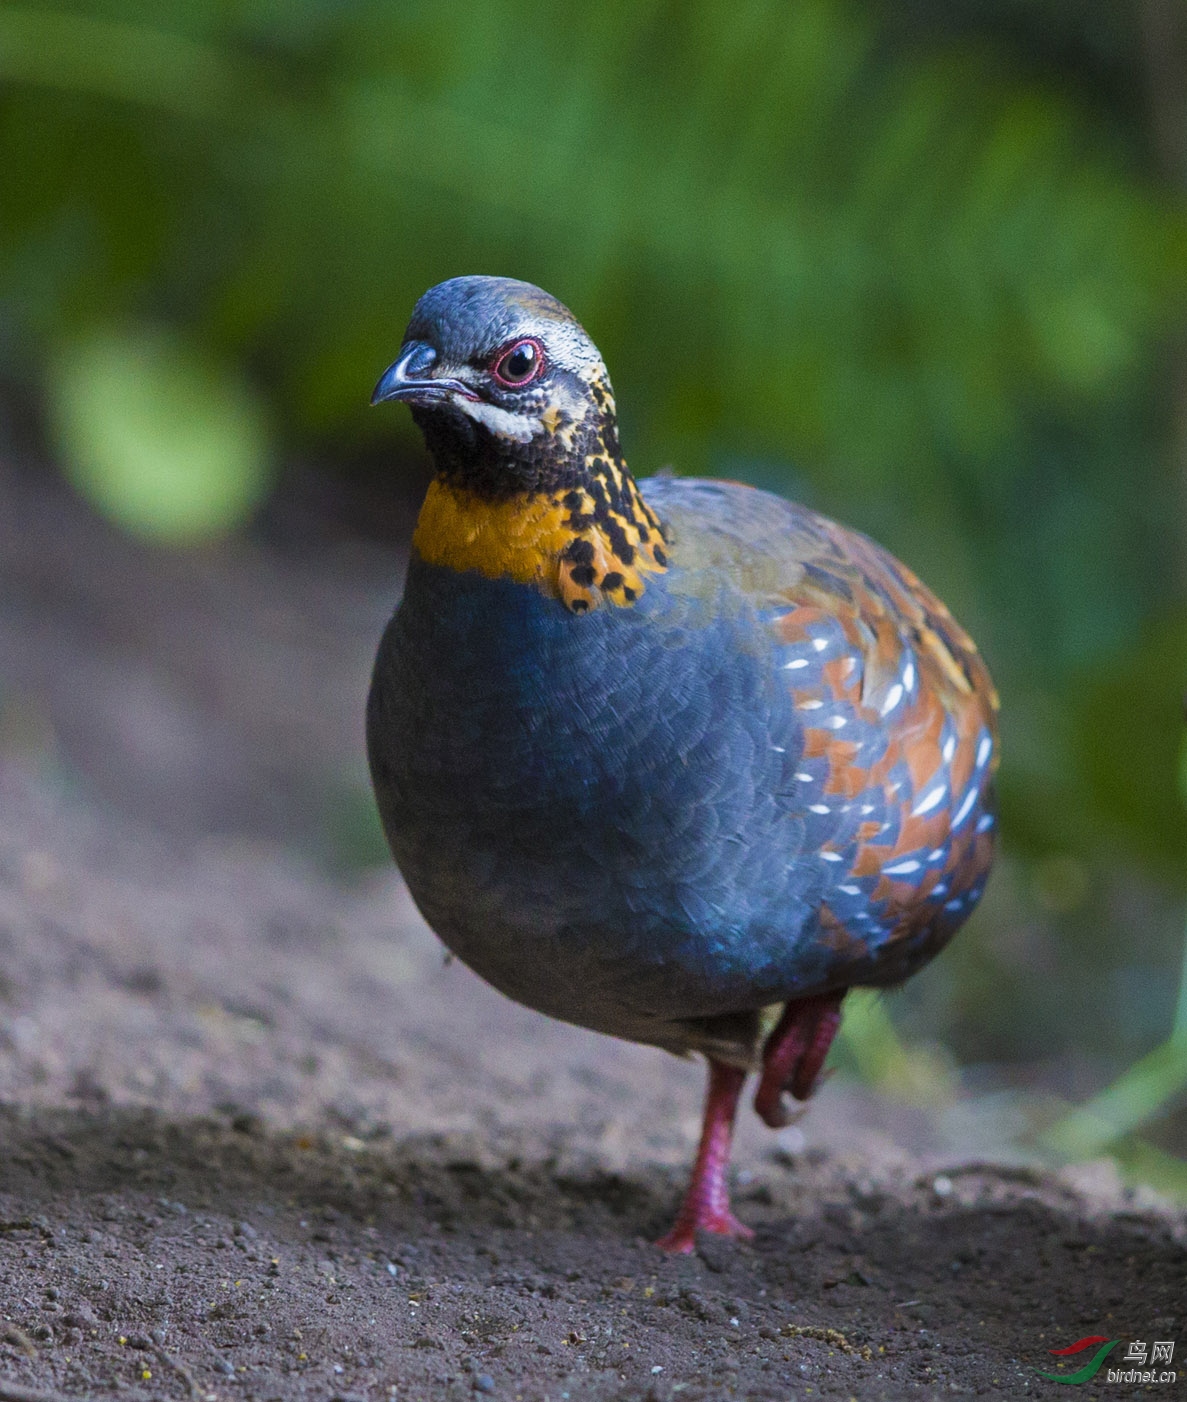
(410,372)
(418,360)
(416,379)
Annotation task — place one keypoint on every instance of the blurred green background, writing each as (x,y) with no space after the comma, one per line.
(922,265)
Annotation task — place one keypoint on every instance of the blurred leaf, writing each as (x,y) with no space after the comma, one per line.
(164,441)
(1142,1162)
(133,62)
(919,1075)
(353,831)
(1179,1026)
(1137,1095)
(1182,771)
(1130,734)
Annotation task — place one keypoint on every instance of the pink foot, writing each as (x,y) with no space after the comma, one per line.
(794,1054)
(706,1205)
(683,1237)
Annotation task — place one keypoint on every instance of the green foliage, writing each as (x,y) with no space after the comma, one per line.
(170,445)
(1134,770)
(869,1040)
(1133,1098)
(765,219)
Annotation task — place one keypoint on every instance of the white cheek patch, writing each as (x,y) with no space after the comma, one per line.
(520,428)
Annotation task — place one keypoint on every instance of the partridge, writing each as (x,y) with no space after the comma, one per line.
(676,760)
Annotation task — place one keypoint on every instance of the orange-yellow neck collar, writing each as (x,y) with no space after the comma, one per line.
(583,545)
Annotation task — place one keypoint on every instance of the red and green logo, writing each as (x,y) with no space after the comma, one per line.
(1091,1368)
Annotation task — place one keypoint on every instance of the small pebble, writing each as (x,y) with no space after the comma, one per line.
(483,1382)
(941,1185)
(792,1140)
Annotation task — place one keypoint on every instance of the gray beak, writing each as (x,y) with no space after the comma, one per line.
(410,379)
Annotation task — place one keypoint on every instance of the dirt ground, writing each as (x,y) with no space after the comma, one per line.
(260,1141)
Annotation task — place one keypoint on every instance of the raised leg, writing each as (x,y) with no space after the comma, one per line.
(794,1054)
(706,1204)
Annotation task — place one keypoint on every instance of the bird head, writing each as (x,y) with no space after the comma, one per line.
(503,382)
(516,408)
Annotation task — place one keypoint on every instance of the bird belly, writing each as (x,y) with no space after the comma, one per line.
(596,814)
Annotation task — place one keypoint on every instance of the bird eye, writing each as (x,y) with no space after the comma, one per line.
(519,364)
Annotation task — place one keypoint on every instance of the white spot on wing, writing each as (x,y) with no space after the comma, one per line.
(930,800)
(901,868)
(966,806)
(893,697)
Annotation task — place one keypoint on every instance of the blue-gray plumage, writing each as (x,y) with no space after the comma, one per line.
(665,760)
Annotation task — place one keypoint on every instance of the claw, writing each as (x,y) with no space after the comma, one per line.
(682,1238)
(794,1054)
(782,1113)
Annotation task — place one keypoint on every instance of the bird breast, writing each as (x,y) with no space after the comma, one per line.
(592,809)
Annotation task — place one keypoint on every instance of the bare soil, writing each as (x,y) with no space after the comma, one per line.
(260,1141)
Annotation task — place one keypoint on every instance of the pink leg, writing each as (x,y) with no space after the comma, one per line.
(794,1054)
(706,1205)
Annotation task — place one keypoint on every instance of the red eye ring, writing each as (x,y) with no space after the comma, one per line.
(530,351)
